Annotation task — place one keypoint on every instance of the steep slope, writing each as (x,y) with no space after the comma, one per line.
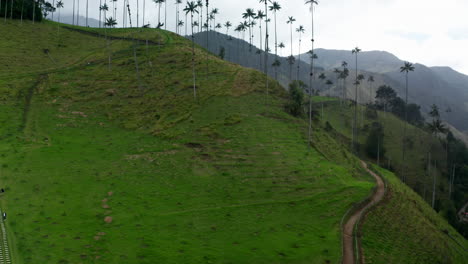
(104,165)
(403,229)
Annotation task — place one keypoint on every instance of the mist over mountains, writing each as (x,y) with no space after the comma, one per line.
(442,86)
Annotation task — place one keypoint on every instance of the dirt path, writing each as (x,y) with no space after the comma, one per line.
(348,238)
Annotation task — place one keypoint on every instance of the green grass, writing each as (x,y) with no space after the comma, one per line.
(404,229)
(227,178)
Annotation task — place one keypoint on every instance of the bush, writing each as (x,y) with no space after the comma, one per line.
(296,98)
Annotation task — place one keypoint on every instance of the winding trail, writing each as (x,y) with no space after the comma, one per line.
(348,228)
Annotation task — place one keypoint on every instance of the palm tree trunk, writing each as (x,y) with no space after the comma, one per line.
(100,12)
(144,11)
(11,10)
(207,34)
(261,44)
(6,9)
(22,8)
(266,50)
(404,134)
(159,15)
(310,80)
(138,15)
(73,17)
(165,15)
(434,185)
(355,125)
(290,64)
(78,14)
(34,10)
(193,62)
(299,60)
(87,11)
(276,49)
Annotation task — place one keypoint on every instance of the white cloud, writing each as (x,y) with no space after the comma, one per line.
(425,31)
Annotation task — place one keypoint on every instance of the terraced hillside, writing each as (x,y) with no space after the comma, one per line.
(101,166)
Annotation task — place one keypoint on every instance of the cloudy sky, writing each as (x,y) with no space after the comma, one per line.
(434,33)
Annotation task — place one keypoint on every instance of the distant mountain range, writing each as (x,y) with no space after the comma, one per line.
(442,86)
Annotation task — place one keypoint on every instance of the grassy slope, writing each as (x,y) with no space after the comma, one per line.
(403,229)
(225,180)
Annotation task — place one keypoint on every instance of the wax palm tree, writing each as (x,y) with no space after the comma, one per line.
(180,24)
(22,8)
(59,7)
(200,5)
(275,7)
(311,2)
(227,25)
(214,12)
(249,15)
(177,3)
(78,13)
(266,45)
(290,21)
(192,9)
(299,30)
(165,15)
(371,80)
(104,9)
(73,16)
(406,68)
(159,3)
(34,10)
(110,22)
(355,51)
(281,46)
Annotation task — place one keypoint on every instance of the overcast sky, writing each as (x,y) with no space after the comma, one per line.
(434,33)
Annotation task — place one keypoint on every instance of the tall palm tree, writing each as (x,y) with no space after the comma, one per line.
(34,10)
(73,16)
(100,11)
(78,13)
(371,80)
(227,25)
(275,7)
(11,9)
(311,2)
(214,12)
(266,45)
(299,30)
(178,2)
(192,9)
(159,3)
(180,24)
(406,68)
(249,14)
(22,8)
(200,5)
(104,9)
(356,84)
(290,21)
(59,7)
(281,46)
(165,15)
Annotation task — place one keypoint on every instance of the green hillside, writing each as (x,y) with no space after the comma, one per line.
(102,164)
(226,178)
(404,229)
